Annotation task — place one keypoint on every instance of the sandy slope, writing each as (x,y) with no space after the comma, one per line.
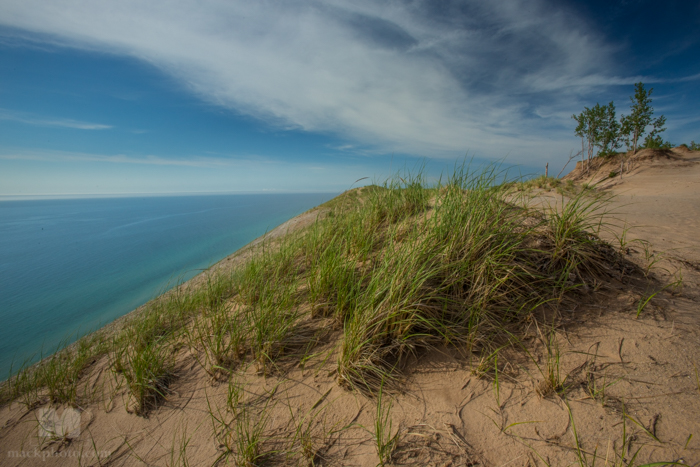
(659,198)
(450,412)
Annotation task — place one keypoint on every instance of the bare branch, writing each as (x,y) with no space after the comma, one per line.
(571,157)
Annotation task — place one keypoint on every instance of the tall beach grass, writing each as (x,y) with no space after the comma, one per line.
(391,269)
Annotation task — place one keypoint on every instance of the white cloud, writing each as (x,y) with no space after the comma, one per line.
(394,77)
(60,122)
(27,172)
(65,156)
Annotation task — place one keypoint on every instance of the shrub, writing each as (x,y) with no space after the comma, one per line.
(656,142)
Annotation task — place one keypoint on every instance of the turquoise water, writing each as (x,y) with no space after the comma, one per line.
(70,266)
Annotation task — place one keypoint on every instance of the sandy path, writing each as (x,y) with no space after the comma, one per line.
(661,204)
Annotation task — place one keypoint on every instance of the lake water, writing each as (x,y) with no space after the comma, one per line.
(70,266)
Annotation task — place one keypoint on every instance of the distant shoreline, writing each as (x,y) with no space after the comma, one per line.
(66,196)
(228,262)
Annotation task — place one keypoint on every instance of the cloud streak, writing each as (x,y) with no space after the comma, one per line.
(56,122)
(406,77)
(64,156)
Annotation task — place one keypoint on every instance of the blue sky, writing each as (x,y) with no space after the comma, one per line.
(100,97)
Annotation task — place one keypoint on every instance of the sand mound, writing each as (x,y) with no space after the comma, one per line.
(682,149)
(608,167)
(610,374)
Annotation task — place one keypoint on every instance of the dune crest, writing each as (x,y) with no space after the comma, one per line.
(610,371)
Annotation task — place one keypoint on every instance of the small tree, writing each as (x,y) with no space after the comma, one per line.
(609,139)
(657,142)
(589,129)
(599,128)
(596,128)
(634,126)
(581,130)
(653,139)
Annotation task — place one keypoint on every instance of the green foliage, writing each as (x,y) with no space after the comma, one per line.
(694,146)
(543,183)
(582,128)
(625,457)
(609,139)
(553,382)
(600,128)
(59,374)
(469,268)
(634,125)
(657,126)
(588,128)
(384,442)
(398,267)
(249,438)
(656,142)
(146,365)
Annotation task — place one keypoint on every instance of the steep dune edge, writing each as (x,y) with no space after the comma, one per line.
(609,171)
(621,367)
(657,197)
(233,260)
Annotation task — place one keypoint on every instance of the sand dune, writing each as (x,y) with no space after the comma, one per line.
(658,196)
(622,372)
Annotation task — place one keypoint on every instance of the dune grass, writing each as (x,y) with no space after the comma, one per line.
(388,270)
(563,187)
(384,441)
(397,267)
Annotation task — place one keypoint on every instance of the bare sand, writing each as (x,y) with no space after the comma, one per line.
(644,374)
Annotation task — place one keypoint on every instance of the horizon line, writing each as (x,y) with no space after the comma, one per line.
(19,197)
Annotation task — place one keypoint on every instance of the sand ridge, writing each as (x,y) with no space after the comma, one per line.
(642,371)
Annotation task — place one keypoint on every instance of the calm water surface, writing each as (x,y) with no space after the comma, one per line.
(69,266)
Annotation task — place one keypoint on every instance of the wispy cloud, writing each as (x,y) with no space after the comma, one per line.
(59,122)
(684,79)
(64,156)
(423,77)
(56,172)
